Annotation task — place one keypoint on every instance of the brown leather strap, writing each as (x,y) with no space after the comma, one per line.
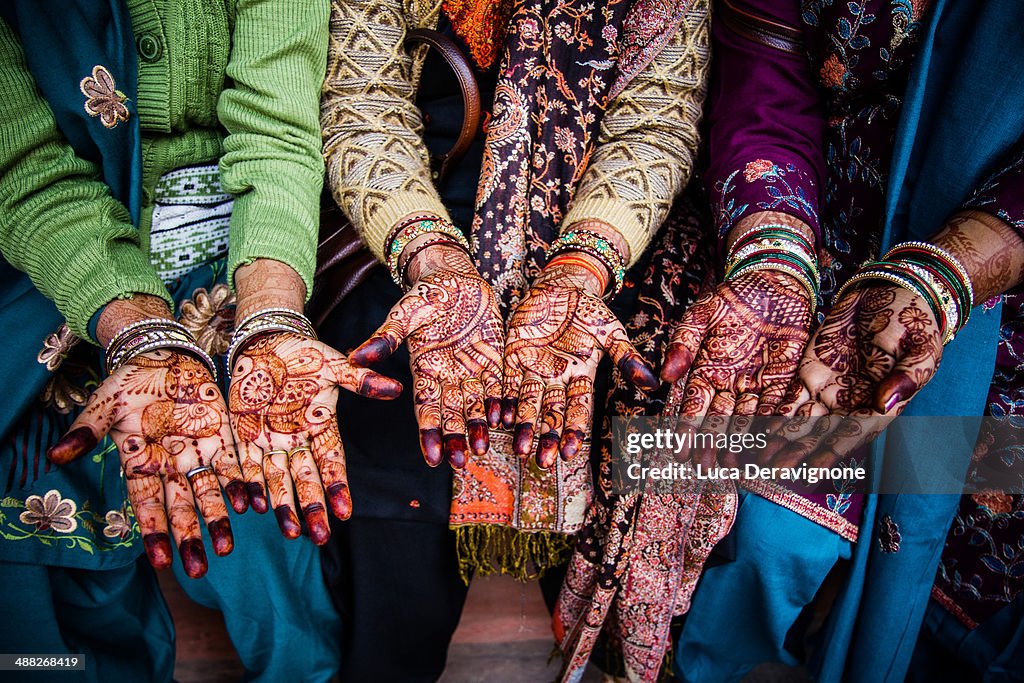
(760,30)
(470,94)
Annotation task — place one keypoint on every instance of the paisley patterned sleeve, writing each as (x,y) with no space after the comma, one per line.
(648,138)
(766,125)
(1002,193)
(377,163)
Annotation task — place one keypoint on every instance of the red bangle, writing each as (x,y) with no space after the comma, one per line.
(570,259)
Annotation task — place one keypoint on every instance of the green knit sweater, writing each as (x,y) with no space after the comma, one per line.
(234,80)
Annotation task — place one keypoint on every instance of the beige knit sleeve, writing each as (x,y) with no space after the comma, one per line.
(649,138)
(377,164)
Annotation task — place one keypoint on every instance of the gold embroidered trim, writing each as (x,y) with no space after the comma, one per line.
(803,507)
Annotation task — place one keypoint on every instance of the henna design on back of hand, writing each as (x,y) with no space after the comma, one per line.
(878,346)
(557,336)
(452,325)
(738,347)
(167,418)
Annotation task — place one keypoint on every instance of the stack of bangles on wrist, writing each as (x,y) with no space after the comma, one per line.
(153,334)
(409,230)
(587,242)
(774,246)
(930,272)
(267,321)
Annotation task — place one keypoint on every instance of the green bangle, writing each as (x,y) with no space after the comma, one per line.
(597,246)
(766,259)
(408,231)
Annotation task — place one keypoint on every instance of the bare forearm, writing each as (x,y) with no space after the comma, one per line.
(990,250)
(123,312)
(268,284)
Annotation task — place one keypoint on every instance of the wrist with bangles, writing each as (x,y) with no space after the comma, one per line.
(153,334)
(929,272)
(266,321)
(779,247)
(597,246)
(411,229)
(584,262)
(419,246)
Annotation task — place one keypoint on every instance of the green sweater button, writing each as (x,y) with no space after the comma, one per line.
(150,47)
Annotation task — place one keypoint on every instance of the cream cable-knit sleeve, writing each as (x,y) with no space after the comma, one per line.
(377,164)
(649,138)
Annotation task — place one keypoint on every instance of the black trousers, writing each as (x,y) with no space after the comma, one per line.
(391,569)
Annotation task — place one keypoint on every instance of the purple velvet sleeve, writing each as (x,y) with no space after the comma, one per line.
(766,125)
(1002,193)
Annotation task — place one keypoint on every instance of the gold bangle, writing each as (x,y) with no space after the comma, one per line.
(942,254)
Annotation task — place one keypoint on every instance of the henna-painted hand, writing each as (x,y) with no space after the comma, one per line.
(283,398)
(556,338)
(737,350)
(451,323)
(876,349)
(167,417)
(738,346)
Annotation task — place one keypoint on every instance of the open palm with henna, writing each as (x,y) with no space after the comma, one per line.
(738,347)
(283,398)
(452,325)
(556,337)
(876,349)
(167,418)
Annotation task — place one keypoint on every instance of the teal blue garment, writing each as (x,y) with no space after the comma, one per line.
(991,653)
(276,607)
(117,619)
(91,488)
(743,610)
(272,592)
(90,33)
(961,113)
(63,40)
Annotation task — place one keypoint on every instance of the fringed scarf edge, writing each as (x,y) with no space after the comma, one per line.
(486,549)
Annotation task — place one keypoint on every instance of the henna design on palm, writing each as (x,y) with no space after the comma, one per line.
(283,397)
(737,347)
(166,417)
(875,350)
(452,325)
(556,338)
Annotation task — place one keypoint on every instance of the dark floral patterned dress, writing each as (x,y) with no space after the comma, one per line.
(812,134)
(775,154)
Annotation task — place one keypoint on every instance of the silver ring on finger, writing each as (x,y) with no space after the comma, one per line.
(196,471)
